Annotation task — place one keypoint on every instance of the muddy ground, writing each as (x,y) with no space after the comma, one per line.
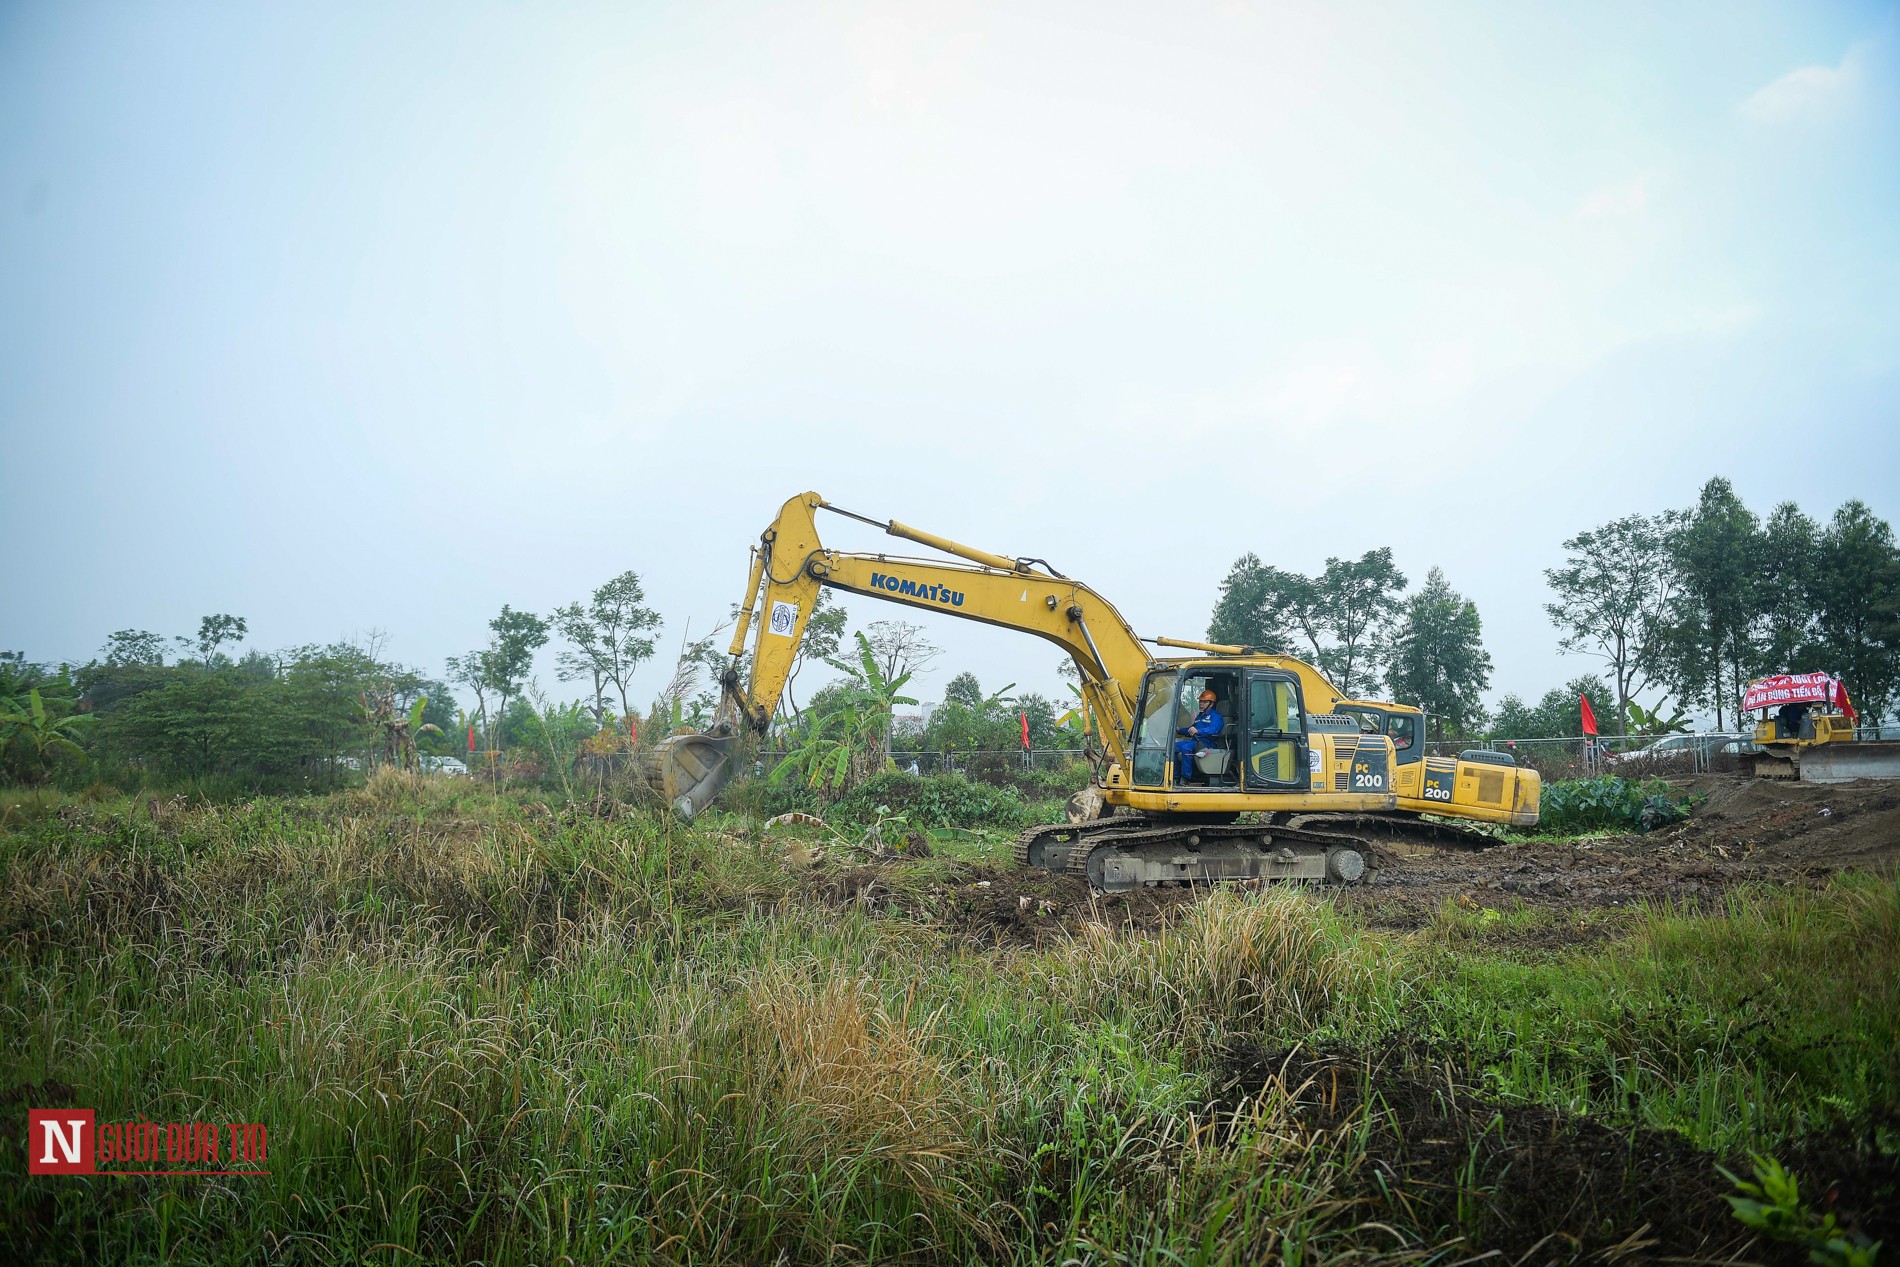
(1743,831)
(1563,1186)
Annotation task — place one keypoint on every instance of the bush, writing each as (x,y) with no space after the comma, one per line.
(1610,803)
(937,800)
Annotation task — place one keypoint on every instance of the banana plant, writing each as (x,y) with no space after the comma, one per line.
(395,732)
(845,741)
(1649,723)
(40,733)
(1078,716)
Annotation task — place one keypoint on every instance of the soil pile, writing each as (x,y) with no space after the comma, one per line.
(990,908)
(1743,830)
(1553,1185)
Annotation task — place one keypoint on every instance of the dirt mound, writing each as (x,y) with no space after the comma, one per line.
(1743,831)
(1547,1183)
(1796,824)
(991,908)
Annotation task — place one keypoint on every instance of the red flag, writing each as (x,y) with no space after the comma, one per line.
(1589,715)
(471,738)
(1025,721)
(1844,704)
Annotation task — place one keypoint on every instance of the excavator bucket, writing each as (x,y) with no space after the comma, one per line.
(689,770)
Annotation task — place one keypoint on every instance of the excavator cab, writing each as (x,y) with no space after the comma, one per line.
(1262,744)
(1214,764)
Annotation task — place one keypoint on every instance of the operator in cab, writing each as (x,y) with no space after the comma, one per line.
(1203,730)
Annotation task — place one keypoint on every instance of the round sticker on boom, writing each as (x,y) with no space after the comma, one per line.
(784,618)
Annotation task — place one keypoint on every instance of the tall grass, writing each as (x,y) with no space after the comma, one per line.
(1774,1017)
(486,1028)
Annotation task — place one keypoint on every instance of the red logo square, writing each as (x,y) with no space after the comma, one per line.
(59,1141)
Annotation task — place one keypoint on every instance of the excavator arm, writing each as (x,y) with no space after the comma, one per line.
(791,563)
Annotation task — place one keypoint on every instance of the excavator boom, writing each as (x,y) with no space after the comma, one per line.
(791,563)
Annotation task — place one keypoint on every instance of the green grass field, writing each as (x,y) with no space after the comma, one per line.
(493,1029)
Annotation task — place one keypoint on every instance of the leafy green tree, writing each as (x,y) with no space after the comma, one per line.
(961,728)
(1784,603)
(134,646)
(1558,714)
(215,631)
(281,722)
(1613,594)
(1438,658)
(1360,597)
(1516,719)
(192,723)
(551,732)
(1711,651)
(1339,614)
(1855,591)
(964,689)
(610,637)
(1266,608)
(583,659)
(970,720)
(510,653)
(471,671)
(1045,730)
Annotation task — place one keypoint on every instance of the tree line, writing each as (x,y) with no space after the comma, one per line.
(1683,607)
(1355,621)
(1696,602)
(150,709)
(1688,604)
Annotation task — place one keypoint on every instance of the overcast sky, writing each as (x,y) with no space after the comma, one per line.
(381,316)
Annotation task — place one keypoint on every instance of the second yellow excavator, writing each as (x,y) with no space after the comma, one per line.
(1322,775)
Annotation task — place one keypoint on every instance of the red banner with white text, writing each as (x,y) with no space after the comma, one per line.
(1791,688)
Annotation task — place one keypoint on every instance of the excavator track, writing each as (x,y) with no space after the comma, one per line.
(1116,854)
(1407,829)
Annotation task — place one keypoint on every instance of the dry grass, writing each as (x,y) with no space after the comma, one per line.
(1238,960)
(833,1073)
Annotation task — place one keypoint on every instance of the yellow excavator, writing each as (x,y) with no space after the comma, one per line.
(1322,775)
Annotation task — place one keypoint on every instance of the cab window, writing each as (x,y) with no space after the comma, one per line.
(1154,734)
(1369,720)
(1276,739)
(1403,730)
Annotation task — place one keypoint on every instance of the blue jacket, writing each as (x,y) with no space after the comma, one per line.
(1207,724)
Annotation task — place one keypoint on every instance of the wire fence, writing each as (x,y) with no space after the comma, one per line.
(1565,757)
(1578,756)
(971,762)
